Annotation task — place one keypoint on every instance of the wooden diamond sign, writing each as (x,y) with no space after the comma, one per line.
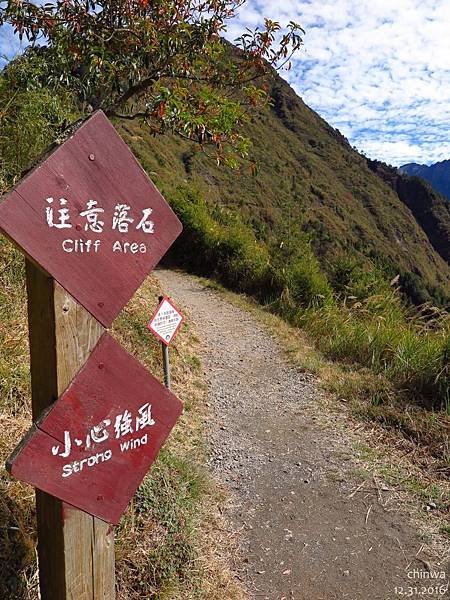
(95,445)
(92,225)
(91,217)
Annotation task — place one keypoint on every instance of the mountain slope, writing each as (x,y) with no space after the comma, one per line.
(430,209)
(310,178)
(438,175)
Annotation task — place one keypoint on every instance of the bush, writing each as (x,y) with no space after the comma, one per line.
(413,356)
(305,284)
(227,250)
(30,116)
(359,317)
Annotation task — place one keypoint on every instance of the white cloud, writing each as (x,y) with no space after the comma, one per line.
(379,70)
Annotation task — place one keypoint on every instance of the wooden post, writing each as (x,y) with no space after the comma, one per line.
(75,550)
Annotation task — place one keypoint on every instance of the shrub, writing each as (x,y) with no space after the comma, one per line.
(305,283)
(30,116)
(363,321)
(413,356)
(226,249)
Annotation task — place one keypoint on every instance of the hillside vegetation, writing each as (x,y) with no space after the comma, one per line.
(319,238)
(314,235)
(309,180)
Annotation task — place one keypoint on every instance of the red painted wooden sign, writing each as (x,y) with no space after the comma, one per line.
(91,217)
(95,445)
(166,321)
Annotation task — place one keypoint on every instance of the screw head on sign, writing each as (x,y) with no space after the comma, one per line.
(91,157)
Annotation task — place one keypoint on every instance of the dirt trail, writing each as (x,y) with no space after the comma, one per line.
(309,532)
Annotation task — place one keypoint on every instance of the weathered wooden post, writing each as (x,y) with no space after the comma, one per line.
(82,218)
(75,549)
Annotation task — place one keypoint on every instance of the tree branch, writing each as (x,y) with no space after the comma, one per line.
(128,117)
(134,90)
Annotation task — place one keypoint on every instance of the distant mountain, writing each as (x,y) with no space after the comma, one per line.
(430,209)
(438,175)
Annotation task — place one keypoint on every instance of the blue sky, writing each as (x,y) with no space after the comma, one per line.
(9,44)
(378,70)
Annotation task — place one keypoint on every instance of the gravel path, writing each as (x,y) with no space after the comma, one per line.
(309,531)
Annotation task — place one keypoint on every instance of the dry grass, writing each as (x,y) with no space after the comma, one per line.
(18,577)
(18,569)
(172,542)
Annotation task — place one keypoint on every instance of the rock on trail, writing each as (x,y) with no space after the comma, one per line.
(309,530)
